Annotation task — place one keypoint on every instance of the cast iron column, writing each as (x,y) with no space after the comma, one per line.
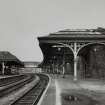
(3,67)
(75,61)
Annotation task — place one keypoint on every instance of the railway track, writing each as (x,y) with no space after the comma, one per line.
(15,86)
(32,97)
(11,80)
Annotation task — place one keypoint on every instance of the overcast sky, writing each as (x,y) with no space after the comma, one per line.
(22,21)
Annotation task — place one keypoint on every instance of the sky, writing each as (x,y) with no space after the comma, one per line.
(22,21)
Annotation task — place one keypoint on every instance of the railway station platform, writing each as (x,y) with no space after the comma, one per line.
(6,76)
(92,91)
(60,90)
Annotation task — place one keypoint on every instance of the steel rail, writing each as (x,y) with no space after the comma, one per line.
(33,96)
(10,80)
(15,86)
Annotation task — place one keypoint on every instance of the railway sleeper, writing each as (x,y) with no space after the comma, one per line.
(32,96)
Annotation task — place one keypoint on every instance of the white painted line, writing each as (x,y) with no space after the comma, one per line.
(58,93)
(42,97)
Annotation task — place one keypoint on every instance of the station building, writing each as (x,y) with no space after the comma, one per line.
(79,52)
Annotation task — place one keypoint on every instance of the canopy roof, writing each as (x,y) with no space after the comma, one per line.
(51,43)
(6,56)
(98,33)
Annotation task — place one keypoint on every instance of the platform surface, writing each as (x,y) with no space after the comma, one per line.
(95,89)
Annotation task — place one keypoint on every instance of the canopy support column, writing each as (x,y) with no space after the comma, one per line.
(75,61)
(3,68)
